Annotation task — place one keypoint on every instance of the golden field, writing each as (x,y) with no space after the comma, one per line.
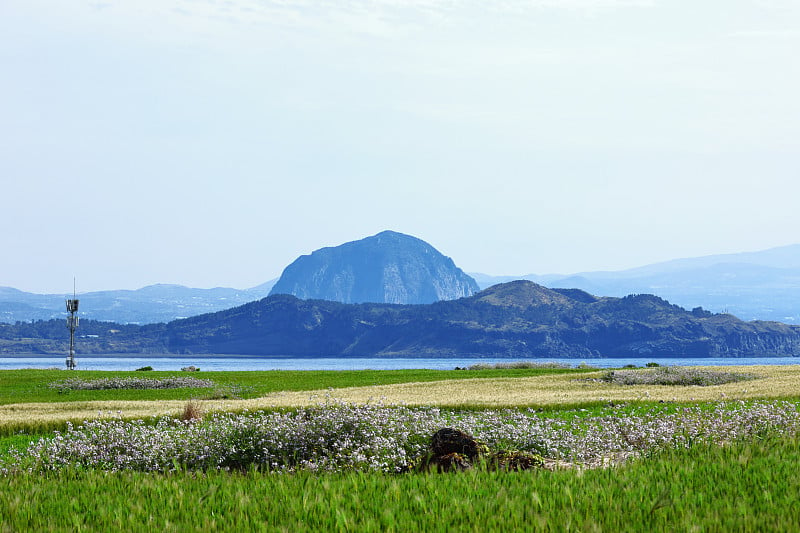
(547,390)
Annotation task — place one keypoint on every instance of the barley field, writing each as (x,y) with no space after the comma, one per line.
(550,389)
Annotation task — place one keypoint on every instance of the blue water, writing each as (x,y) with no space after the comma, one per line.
(219,362)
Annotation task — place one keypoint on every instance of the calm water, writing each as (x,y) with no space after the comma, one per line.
(219,362)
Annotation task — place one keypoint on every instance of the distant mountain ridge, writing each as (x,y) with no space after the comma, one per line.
(516,319)
(389,267)
(761,285)
(151,304)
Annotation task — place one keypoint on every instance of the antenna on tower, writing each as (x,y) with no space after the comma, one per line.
(72,323)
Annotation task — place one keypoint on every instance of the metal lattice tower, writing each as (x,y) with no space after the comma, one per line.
(72,323)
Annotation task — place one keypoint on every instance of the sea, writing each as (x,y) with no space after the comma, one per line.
(243,362)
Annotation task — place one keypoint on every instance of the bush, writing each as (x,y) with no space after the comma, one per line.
(144,369)
(674,375)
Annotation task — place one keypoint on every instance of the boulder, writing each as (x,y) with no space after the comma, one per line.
(453,450)
(448,441)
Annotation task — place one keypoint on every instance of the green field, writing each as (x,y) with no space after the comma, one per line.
(744,487)
(23,386)
(738,484)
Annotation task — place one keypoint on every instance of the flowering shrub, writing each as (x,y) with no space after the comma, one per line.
(130,383)
(518,364)
(674,375)
(378,438)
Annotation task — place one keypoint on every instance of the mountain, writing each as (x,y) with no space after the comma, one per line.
(761,285)
(516,319)
(154,303)
(389,267)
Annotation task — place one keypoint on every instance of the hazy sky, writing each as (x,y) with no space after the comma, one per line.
(209,142)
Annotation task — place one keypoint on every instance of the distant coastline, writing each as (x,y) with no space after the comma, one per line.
(223,363)
(519,319)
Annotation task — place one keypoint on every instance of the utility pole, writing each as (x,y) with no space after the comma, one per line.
(72,323)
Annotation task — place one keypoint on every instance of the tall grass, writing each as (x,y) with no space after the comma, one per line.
(744,486)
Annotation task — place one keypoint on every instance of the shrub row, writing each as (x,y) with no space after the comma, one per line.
(674,375)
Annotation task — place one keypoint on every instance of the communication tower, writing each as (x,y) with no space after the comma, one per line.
(72,323)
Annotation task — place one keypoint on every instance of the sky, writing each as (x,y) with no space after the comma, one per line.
(210,143)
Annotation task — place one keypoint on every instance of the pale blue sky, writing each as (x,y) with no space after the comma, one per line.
(209,143)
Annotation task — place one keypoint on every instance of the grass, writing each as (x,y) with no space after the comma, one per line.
(17,441)
(740,487)
(31,386)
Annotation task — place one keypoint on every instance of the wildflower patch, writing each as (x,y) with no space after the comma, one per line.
(519,364)
(342,437)
(180,382)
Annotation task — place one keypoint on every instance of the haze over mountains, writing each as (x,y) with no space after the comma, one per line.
(154,303)
(761,285)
